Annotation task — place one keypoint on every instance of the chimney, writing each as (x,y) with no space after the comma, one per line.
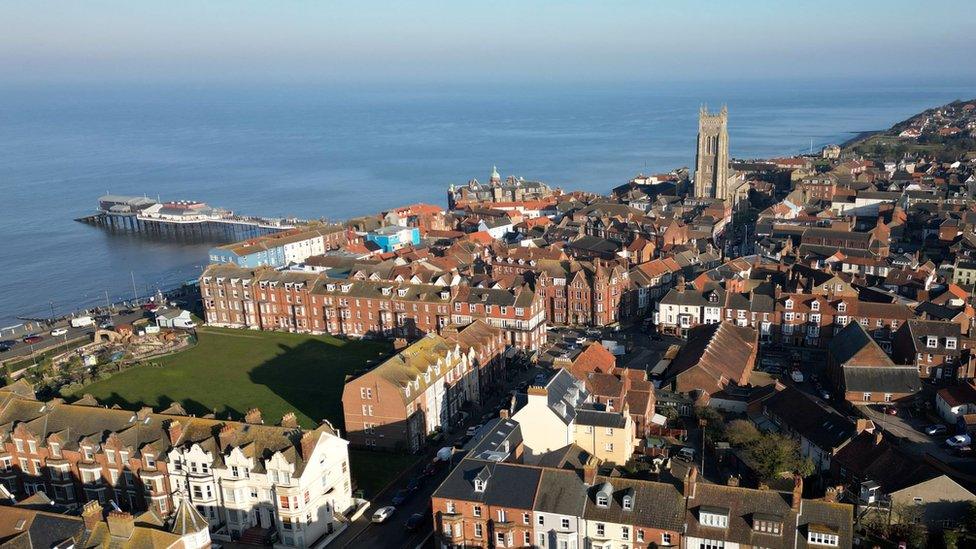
(227,432)
(589,471)
(830,496)
(253,416)
(308,444)
(878,437)
(503,413)
(289,420)
(733,480)
(797,492)
(862,425)
(120,525)
(175,432)
(691,482)
(91,512)
(144,412)
(400,344)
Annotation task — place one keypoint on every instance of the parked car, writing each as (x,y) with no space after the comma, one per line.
(383,513)
(58,332)
(107,325)
(32,338)
(686,454)
(891,410)
(4,347)
(82,322)
(796,375)
(936,429)
(473,430)
(400,497)
(413,523)
(958,441)
(414,484)
(149,306)
(825,394)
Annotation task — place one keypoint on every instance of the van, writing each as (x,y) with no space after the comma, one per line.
(686,454)
(82,322)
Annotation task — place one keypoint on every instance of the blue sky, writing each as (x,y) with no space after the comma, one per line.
(473,42)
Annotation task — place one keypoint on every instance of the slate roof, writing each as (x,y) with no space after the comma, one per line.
(838,517)
(561,492)
(600,418)
(803,415)
(509,485)
(742,504)
(37,529)
(881,379)
(655,504)
(713,356)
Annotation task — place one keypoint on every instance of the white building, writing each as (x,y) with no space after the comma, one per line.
(274,478)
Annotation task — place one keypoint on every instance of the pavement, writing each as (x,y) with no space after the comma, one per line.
(391,534)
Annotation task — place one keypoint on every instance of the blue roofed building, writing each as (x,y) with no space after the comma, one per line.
(394,237)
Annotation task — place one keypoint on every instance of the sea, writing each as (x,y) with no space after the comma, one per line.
(338,151)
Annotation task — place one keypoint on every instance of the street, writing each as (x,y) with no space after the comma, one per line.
(392,533)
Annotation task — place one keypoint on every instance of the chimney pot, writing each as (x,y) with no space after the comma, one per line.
(797,492)
(121,525)
(289,420)
(253,416)
(691,482)
(91,512)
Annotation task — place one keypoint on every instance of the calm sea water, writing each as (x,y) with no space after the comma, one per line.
(314,152)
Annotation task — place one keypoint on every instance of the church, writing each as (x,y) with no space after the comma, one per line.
(714,176)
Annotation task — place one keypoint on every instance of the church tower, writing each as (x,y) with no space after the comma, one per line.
(712,158)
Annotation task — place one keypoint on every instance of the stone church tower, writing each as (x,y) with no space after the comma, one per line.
(712,158)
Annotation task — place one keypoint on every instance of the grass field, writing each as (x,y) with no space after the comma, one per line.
(231,371)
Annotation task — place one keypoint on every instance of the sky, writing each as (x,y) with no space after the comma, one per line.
(504,42)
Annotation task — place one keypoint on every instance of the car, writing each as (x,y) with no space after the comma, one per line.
(149,306)
(473,430)
(400,497)
(592,332)
(796,376)
(580,340)
(8,342)
(413,523)
(383,513)
(958,441)
(891,410)
(825,394)
(107,325)
(4,347)
(415,483)
(32,338)
(686,454)
(58,332)
(936,429)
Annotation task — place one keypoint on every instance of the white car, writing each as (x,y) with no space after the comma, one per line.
(383,513)
(958,441)
(58,332)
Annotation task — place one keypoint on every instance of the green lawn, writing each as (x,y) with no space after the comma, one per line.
(374,470)
(231,371)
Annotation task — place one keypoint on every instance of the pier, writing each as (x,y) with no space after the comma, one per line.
(180,220)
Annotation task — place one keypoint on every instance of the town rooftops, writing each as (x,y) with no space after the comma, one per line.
(803,415)
(651,504)
(852,346)
(504,484)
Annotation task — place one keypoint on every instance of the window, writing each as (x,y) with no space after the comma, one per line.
(950,343)
(789,305)
(625,532)
(502,516)
(525,518)
(640,535)
(479,485)
(478,530)
(450,507)
(602,500)
(477,510)
(564,523)
(609,447)
(366,393)
(500,539)
(815,306)
(666,538)
(527,538)
(821,538)
(867,397)
(842,307)
(628,503)
(709,518)
(541,520)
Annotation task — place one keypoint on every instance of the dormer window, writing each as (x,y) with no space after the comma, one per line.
(950,343)
(386,291)
(842,307)
(932,342)
(818,537)
(602,500)
(346,287)
(714,517)
(767,524)
(479,485)
(815,306)
(402,292)
(789,304)
(628,503)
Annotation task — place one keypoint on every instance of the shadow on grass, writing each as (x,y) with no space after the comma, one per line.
(310,375)
(190,405)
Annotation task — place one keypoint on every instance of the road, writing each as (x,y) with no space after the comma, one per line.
(391,534)
(21,349)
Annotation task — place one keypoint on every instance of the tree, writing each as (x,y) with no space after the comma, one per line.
(714,422)
(741,432)
(669,412)
(971,517)
(772,454)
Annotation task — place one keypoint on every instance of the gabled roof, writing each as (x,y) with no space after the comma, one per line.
(852,346)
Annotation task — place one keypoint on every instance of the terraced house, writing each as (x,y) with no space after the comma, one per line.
(240,476)
(422,388)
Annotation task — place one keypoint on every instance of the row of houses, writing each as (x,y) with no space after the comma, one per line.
(267,299)
(237,475)
(495,498)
